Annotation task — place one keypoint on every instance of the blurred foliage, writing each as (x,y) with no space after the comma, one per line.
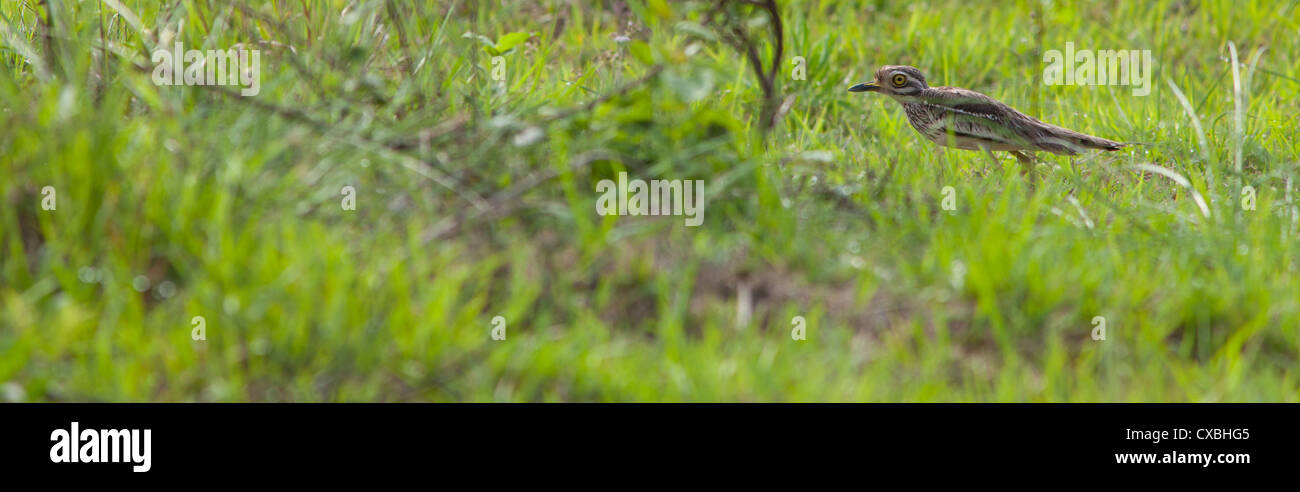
(475,198)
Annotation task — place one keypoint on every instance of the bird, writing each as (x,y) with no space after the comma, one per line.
(966,119)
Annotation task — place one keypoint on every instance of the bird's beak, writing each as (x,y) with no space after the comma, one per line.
(867,87)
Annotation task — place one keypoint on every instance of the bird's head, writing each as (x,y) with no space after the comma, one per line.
(895,80)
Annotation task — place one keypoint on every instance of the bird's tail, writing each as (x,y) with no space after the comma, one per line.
(1078,141)
(1102,144)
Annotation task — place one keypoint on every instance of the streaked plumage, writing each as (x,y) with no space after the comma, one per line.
(965,119)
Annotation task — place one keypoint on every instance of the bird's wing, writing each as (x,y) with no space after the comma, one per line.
(991,119)
(970,113)
(966,101)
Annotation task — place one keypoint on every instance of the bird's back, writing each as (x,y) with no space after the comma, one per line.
(968,119)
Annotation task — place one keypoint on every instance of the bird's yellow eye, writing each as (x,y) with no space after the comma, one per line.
(899,80)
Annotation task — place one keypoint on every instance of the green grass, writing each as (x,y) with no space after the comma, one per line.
(176,202)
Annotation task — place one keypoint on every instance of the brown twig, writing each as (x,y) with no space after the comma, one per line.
(734,32)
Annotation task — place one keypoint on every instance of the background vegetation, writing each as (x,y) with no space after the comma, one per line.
(476,198)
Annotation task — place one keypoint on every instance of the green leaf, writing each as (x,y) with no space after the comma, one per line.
(641,51)
(661,9)
(510,41)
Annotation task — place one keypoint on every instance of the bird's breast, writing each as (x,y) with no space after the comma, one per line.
(923,120)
